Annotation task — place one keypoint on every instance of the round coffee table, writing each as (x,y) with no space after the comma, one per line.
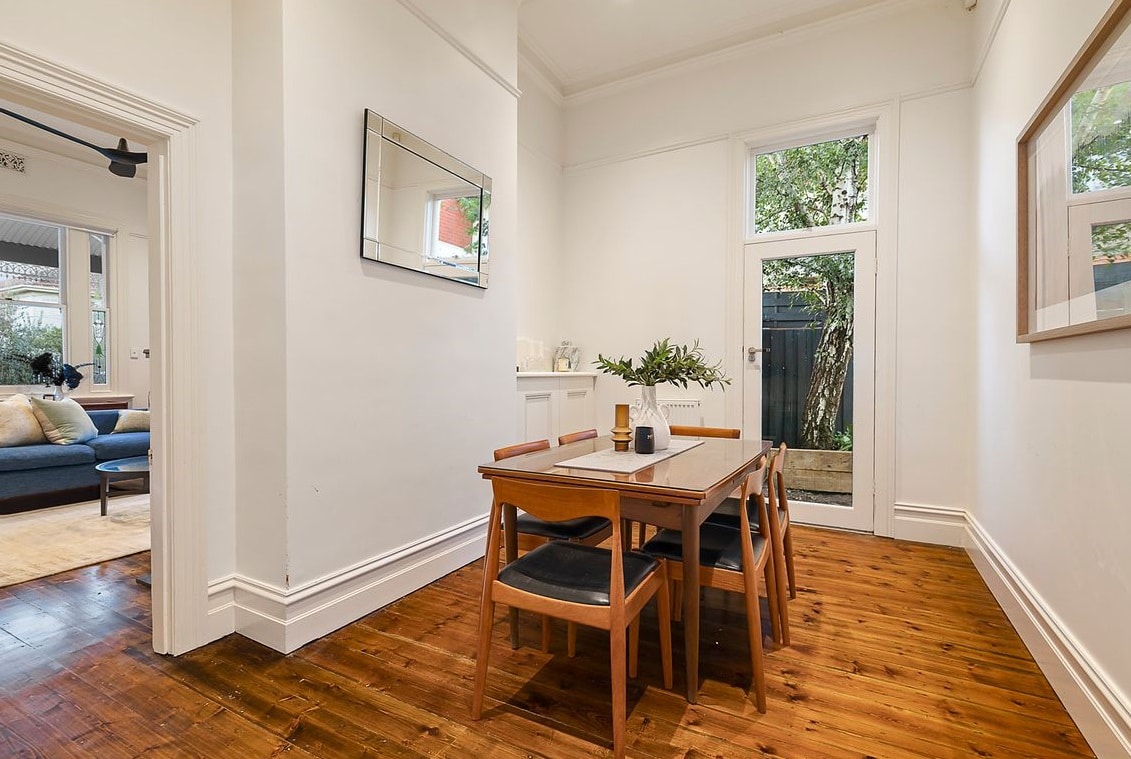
(121,469)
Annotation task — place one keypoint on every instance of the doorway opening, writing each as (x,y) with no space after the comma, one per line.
(809,318)
(180,584)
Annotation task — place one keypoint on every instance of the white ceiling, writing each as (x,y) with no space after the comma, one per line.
(582,44)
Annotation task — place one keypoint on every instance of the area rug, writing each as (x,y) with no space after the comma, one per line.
(40,543)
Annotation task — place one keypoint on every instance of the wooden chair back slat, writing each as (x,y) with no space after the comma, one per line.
(723,432)
(520,448)
(752,494)
(555,503)
(778,495)
(573,437)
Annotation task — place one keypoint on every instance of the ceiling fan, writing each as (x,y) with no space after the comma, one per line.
(123,162)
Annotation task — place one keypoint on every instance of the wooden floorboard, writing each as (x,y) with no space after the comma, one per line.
(899,650)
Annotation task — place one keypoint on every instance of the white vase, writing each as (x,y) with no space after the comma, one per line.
(648,413)
(58,392)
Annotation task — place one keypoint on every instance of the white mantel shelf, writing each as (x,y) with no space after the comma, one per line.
(555,374)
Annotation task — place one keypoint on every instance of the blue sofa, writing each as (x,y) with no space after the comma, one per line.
(37,476)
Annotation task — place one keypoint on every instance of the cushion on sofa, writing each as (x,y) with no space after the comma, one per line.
(132,420)
(104,419)
(64,422)
(121,445)
(44,456)
(18,425)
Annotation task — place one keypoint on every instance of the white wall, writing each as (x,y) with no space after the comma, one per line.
(59,188)
(934,403)
(1052,477)
(178,54)
(398,384)
(646,260)
(654,215)
(541,224)
(347,404)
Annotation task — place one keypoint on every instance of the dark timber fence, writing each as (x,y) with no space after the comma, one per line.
(790,332)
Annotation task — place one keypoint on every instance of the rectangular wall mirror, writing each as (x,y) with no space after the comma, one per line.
(1074,194)
(422,209)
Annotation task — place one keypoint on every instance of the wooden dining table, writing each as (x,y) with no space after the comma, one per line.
(678,492)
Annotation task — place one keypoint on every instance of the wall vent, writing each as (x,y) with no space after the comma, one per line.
(685,411)
(12,162)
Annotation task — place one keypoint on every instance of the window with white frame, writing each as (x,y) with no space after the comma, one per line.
(54,299)
(809,185)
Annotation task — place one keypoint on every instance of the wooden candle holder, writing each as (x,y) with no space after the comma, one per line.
(622,433)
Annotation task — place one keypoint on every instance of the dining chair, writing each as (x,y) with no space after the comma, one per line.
(730,559)
(599,587)
(573,437)
(533,532)
(781,537)
(690,431)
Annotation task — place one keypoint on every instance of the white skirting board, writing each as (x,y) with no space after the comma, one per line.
(1100,711)
(287,620)
(939,525)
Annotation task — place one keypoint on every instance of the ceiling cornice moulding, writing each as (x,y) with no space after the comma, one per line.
(703,56)
(462,49)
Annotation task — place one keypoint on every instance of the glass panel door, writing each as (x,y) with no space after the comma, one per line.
(809,378)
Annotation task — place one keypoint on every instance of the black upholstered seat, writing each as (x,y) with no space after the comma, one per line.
(719,546)
(727,515)
(579,529)
(574,572)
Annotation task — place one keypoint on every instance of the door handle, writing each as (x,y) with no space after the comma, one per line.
(752,353)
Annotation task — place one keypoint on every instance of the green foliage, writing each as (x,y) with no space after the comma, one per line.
(842,439)
(812,185)
(664,362)
(1101,138)
(1111,242)
(477,224)
(824,283)
(24,335)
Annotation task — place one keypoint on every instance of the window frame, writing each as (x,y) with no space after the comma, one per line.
(840,132)
(71,315)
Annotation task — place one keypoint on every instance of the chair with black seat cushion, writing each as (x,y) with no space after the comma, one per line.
(781,537)
(731,559)
(586,585)
(684,430)
(533,532)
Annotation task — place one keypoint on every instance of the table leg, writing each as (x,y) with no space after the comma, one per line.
(510,553)
(691,601)
(104,491)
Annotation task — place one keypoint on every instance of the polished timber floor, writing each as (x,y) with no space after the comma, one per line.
(899,650)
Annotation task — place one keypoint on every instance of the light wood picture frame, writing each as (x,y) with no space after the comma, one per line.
(1056,214)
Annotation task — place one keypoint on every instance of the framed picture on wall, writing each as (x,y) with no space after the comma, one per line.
(1074,194)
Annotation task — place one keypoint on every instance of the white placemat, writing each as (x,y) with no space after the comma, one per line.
(626,462)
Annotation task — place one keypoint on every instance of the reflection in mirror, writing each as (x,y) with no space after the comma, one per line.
(423,209)
(1075,194)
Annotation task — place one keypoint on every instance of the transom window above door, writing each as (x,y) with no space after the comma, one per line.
(809,186)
